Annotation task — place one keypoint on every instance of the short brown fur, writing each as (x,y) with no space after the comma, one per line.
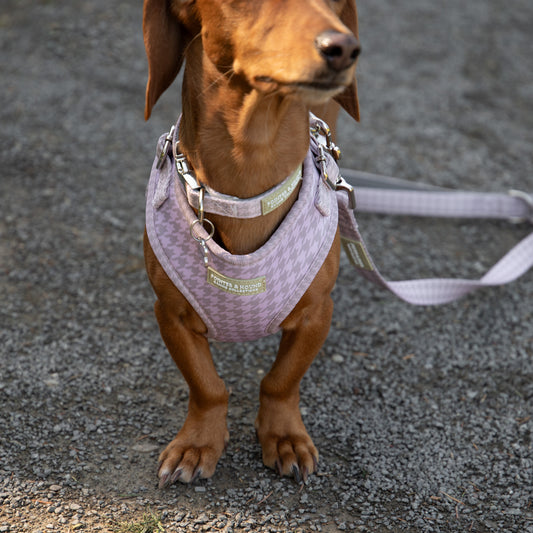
(252,72)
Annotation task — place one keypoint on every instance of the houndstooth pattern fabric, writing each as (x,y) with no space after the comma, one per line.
(289,261)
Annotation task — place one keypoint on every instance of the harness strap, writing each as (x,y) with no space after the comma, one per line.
(393,196)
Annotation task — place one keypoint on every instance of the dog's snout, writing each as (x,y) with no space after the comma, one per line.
(340,50)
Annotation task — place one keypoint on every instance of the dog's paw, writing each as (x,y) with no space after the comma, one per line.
(286,445)
(290,455)
(193,453)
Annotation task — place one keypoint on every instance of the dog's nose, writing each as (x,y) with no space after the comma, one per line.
(340,50)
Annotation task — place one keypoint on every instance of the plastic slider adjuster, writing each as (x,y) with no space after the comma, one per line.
(528,200)
(166,148)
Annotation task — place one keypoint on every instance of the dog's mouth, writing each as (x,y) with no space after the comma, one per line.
(320,89)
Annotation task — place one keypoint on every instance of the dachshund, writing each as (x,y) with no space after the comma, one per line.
(253,70)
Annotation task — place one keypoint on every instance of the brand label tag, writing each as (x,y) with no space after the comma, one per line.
(356,253)
(240,287)
(274,200)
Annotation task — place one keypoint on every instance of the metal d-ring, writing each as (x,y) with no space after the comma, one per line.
(200,240)
(210,233)
(201,219)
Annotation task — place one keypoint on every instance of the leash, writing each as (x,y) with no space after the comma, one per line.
(388,195)
(394,196)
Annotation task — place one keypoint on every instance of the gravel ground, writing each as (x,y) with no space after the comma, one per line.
(422,415)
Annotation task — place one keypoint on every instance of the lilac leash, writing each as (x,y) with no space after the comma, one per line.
(380,194)
(393,196)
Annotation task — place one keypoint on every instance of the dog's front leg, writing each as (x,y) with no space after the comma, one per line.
(287,447)
(197,447)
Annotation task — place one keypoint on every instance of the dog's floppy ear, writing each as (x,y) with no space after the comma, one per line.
(165,41)
(348,98)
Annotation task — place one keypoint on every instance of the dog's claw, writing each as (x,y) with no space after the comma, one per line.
(176,475)
(296,473)
(164,480)
(196,474)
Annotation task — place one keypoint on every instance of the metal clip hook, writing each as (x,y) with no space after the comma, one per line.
(166,148)
(201,220)
(343,185)
(201,241)
(321,128)
(321,158)
(201,193)
(332,148)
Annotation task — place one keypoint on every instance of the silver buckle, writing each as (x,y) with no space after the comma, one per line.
(528,200)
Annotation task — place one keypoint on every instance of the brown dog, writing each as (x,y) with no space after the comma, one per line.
(253,70)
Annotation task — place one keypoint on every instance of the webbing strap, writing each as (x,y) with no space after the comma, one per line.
(393,196)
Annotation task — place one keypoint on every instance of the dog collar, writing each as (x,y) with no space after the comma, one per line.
(203,197)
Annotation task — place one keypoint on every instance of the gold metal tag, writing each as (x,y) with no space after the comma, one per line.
(240,287)
(356,254)
(274,200)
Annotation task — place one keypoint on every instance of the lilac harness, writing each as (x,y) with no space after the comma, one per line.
(241,297)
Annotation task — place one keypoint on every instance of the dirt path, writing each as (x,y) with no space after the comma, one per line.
(422,416)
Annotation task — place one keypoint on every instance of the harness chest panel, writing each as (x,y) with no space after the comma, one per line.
(241,297)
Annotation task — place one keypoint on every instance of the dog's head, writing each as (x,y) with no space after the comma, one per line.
(304,48)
